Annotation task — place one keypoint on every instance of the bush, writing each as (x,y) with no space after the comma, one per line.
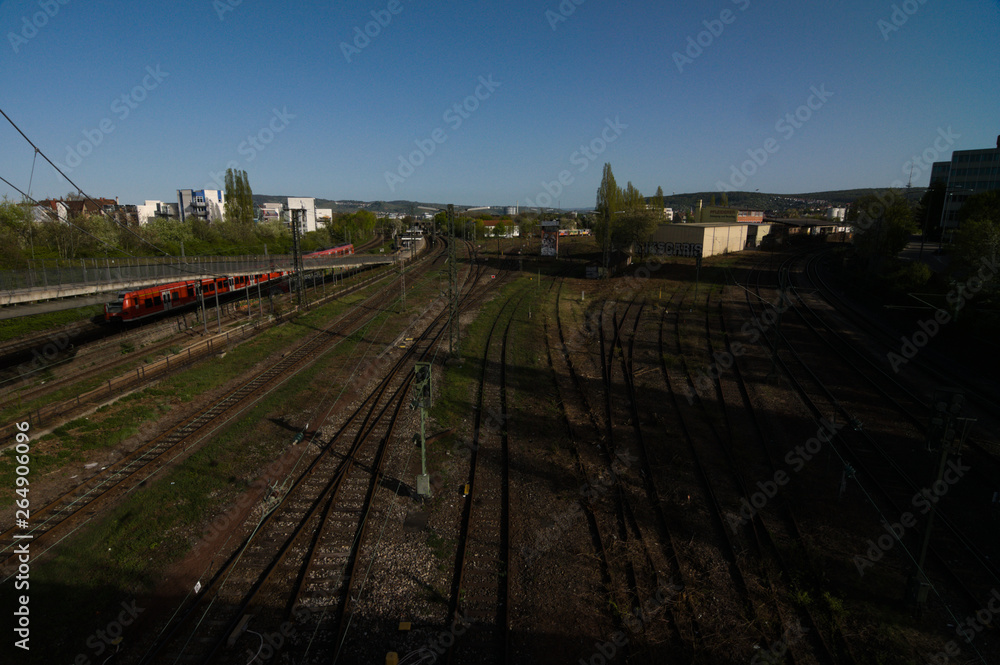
(908,276)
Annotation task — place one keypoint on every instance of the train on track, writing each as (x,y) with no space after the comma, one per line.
(154,300)
(340,250)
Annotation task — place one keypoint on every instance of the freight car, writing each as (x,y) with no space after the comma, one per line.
(153,300)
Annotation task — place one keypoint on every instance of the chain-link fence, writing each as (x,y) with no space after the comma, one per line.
(49,273)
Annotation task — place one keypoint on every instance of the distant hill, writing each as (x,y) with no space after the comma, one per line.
(747,200)
(351,205)
(765,201)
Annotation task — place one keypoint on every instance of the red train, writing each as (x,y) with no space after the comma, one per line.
(342,250)
(153,300)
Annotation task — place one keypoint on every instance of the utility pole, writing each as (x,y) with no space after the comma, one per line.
(422,401)
(297,256)
(402,278)
(218,310)
(943,430)
(204,313)
(452,284)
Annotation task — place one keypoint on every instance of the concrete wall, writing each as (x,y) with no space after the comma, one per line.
(709,239)
(724,239)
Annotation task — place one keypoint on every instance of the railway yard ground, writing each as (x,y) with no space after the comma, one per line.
(669,466)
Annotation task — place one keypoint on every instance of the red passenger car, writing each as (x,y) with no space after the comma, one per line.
(342,250)
(153,300)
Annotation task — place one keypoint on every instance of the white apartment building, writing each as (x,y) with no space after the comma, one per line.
(208,204)
(271,211)
(153,209)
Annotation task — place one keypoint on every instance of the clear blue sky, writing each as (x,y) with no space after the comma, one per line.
(344,125)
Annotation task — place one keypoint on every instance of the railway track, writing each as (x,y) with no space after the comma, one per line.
(872,460)
(64,515)
(309,536)
(480,592)
(781,539)
(648,583)
(314,536)
(104,356)
(102,351)
(752,543)
(572,412)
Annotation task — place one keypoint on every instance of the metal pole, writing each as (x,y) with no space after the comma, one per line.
(423,443)
(297,258)
(218,311)
(919,582)
(923,234)
(204,314)
(452,284)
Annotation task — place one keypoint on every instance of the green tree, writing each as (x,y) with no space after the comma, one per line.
(658,205)
(246,200)
(928,213)
(636,223)
(239,201)
(883,223)
(230,212)
(608,206)
(977,241)
(528,226)
(16,234)
(981,206)
(978,238)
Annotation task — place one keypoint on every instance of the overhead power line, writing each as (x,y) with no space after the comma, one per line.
(78,188)
(56,218)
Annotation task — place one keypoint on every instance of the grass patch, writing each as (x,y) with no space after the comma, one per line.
(111,424)
(36,323)
(460,383)
(124,552)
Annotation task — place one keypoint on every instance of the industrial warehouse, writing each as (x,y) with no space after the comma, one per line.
(705,239)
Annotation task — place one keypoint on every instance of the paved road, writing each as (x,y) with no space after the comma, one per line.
(937,262)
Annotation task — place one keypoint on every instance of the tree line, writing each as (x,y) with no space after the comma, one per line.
(622,218)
